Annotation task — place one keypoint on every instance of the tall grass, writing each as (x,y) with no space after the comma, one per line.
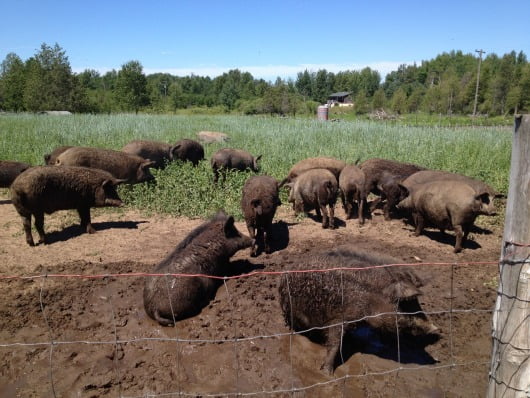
(482,153)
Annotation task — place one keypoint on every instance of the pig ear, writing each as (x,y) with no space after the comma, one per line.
(401,290)
(229,226)
(172,151)
(404,190)
(258,157)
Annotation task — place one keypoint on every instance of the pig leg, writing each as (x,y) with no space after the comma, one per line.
(418,220)
(325,217)
(332,217)
(26,223)
(39,225)
(333,344)
(360,211)
(459,238)
(267,239)
(252,234)
(84,215)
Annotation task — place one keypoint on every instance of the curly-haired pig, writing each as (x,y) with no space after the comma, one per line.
(9,170)
(232,159)
(315,189)
(161,152)
(124,166)
(205,251)
(259,201)
(446,204)
(421,177)
(331,164)
(333,303)
(46,189)
(381,171)
(351,190)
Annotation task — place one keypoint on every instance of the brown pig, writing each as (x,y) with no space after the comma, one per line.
(259,201)
(351,190)
(322,162)
(333,303)
(46,189)
(51,158)
(161,152)
(131,168)
(446,204)
(9,170)
(315,189)
(232,159)
(205,251)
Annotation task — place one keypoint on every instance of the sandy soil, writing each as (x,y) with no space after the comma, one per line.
(105,345)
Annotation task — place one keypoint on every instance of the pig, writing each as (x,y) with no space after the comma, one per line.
(235,159)
(188,151)
(446,204)
(315,189)
(259,201)
(437,175)
(333,165)
(46,189)
(124,166)
(206,251)
(209,137)
(9,170)
(51,158)
(375,169)
(348,298)
(161,152)
(351,190)
(391,191)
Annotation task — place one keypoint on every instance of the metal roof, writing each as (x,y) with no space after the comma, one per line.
(340,94)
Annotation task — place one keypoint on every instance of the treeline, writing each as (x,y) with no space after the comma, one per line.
(444,85)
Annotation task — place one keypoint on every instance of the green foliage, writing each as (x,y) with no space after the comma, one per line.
(181,189)
(131,86)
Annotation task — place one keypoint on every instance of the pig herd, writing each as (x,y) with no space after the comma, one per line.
(83,177)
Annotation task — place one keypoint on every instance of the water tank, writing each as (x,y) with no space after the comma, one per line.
(322,112)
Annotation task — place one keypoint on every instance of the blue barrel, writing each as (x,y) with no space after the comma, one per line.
(322,112)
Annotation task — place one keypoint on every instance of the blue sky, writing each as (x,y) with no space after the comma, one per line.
(267,38)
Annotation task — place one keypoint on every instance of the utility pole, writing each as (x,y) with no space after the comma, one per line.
(478,79)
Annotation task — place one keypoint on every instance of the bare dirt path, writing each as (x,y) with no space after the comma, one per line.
(233,344)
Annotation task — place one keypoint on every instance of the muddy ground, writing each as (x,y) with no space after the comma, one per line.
(105,345)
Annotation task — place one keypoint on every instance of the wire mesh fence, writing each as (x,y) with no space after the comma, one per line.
(98,339)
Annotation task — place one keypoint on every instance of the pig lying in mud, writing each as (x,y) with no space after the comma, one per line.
(46,189)
(350,298)
(315,189)
(351,190)
(206,250)
(446,204)
(259,202)
(133,169)
(161,152)
(232,159)
(9,170)
(331,164)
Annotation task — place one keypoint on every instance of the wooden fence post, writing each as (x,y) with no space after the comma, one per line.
(510,363)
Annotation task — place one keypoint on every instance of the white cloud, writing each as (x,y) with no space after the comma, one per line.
(267,72)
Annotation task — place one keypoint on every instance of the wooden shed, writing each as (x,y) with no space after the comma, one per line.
(342,98)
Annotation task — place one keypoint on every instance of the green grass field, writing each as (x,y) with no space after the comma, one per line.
(479,152)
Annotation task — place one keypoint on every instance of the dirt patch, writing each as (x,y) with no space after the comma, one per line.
(105,345)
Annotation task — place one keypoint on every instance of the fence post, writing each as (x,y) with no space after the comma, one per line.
(510,363)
